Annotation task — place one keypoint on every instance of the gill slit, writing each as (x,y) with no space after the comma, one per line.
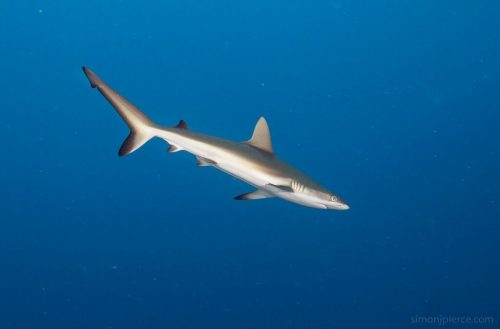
(297,187)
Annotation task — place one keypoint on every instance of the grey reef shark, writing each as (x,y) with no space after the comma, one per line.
(252,161)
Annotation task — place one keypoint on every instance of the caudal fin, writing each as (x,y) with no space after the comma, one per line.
(142,129)
(135,140)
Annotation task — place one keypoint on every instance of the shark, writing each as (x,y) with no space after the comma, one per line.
(253,161)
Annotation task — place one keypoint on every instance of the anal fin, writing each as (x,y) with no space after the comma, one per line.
(204,162)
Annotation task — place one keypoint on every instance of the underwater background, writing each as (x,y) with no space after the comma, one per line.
(394,105)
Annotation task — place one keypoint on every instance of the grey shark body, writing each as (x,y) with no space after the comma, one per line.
(253,161)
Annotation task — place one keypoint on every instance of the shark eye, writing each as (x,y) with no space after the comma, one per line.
(333,198)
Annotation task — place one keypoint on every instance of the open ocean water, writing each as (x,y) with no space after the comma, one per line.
(394,105)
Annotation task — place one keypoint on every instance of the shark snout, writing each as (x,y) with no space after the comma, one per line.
(337,203)
(339,206)
(343,206)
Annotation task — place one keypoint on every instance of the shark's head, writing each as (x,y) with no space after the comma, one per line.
(325,199)
(310,194)
(337,203)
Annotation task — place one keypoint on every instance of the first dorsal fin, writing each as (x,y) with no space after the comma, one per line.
(261,137)
(182,125)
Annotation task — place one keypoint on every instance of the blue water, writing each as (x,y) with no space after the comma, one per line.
(393,105)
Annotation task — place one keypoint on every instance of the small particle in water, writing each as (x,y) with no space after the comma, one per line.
(40,11)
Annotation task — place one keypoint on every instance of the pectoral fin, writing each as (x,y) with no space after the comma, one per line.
(255,195)
(279,188)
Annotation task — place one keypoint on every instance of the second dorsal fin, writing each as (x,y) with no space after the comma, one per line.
(261,137)
(182,125)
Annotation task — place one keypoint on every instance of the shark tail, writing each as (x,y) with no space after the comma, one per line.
(142,129)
